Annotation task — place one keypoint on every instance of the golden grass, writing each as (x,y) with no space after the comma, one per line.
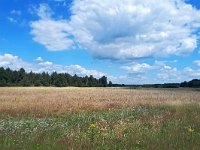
(62,100)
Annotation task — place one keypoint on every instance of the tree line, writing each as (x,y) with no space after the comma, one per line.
(20,77)
(193,83)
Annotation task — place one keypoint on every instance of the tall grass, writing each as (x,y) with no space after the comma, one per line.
(60,101)
(75,118)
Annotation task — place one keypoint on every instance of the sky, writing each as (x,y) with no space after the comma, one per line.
(129,41)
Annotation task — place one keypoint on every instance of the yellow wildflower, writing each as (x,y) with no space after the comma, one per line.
(93,125)
(190,129)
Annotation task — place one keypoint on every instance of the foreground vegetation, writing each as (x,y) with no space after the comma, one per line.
(121,118)
(137,128)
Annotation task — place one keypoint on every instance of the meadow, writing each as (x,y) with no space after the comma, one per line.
(99,118)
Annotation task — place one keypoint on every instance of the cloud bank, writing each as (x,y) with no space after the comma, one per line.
(121,29)
(137,73)
(15,63)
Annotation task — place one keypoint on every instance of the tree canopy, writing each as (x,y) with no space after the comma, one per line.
(10,77)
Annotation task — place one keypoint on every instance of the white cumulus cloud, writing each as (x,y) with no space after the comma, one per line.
(137,68)
(53,34)
(15,63)
(122,29)
(39,59)
(192,73)
(197,62)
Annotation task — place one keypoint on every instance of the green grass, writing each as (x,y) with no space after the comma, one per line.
(164,127)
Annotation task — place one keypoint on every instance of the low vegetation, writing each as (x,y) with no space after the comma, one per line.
(99,118)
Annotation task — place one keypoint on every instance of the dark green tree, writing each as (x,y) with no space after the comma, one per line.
(103,81)
(9,77)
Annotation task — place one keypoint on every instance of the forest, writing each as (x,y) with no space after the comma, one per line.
(10,77)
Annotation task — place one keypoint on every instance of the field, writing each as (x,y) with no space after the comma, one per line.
(99,118)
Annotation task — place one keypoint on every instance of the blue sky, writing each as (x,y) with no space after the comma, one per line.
(129,41)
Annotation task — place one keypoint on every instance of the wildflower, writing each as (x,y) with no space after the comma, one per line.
(138,142)
(190,129)
(93,125)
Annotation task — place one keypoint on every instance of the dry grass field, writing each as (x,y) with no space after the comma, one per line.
(62,100)
(99,118)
